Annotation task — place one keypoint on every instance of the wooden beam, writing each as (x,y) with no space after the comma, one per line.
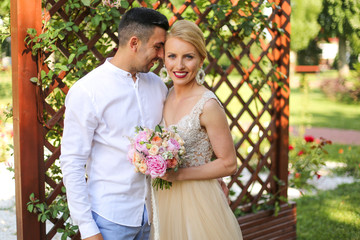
(280,157)
(28,133)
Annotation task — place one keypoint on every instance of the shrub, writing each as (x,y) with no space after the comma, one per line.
(306,157)
(347,90)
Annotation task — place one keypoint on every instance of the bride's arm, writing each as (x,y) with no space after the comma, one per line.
(213,119)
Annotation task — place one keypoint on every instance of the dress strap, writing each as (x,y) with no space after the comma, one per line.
(198,108)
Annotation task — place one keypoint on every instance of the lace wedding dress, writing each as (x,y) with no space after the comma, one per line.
(195,210)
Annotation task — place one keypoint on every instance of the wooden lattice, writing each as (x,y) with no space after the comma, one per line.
(258,116)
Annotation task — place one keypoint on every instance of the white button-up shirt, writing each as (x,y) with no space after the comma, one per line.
(102,110)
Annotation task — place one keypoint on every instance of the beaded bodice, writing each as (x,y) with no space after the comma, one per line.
(197,143)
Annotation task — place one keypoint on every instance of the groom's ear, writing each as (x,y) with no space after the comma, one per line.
(134,43)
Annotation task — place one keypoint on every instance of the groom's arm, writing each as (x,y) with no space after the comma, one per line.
(79,127)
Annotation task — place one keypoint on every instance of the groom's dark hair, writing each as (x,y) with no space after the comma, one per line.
(140,22)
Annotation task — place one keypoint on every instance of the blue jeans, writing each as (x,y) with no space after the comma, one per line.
(114,231)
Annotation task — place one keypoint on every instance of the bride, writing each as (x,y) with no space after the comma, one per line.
(195,207)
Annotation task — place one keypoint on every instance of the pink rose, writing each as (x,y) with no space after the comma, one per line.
(173,145)
(140,142)
(134,156)
(130,154)
(156,166)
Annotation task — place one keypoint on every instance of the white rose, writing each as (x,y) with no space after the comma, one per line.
(154,150)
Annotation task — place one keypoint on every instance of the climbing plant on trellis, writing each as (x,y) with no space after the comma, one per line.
(248,60)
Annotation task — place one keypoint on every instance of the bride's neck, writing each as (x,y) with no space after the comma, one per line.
(184,91)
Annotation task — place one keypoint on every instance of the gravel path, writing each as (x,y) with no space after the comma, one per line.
(350,137)
(7,205)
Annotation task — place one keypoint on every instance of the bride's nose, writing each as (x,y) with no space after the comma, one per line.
(180,63)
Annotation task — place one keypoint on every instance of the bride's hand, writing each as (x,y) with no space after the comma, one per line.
(170,176)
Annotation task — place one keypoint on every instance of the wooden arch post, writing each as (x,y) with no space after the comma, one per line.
(28,132)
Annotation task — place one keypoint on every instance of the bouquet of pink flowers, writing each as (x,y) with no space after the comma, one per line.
(153,152)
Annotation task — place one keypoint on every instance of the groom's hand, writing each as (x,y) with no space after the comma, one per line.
(95,237)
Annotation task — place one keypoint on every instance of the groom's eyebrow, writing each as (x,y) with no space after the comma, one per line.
(159,44)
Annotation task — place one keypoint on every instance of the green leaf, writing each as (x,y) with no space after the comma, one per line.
(103,27)
(43,74)
(63,67)
(34,80)
(124,4)
(158,129)
(71,58)
(75,28)
(50,74)
(81,49)
(53,47)
(30,208)
(43,218)
(86,2)
(61,36)
(96,20)
(32,32)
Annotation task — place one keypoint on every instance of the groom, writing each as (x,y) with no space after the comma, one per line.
(106,198)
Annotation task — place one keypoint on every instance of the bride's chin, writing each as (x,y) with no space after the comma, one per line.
(181,82)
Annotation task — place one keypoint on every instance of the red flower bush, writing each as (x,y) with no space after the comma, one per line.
(309,138)
(305,161)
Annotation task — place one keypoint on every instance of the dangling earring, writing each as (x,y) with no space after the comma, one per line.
(200,77)
(164,75)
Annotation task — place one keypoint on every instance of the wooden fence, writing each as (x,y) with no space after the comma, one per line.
(251,80)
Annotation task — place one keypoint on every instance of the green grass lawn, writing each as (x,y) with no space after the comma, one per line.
(330,215)
(339,152)
(314,109)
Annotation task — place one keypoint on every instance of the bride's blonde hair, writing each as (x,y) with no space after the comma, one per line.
(191,33)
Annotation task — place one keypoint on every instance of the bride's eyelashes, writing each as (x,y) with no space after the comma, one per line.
(187,56)
(171,56)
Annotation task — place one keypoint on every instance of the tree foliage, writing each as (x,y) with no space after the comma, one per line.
(304,25)
(4,23)
(341,18)
(4,7)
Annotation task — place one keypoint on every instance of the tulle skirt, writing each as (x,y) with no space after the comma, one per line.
(195,210)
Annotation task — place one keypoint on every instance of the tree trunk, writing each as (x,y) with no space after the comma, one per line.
(342,65)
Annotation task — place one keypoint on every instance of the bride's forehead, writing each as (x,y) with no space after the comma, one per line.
(179,45)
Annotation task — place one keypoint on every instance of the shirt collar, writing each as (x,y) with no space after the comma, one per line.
(117,70)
